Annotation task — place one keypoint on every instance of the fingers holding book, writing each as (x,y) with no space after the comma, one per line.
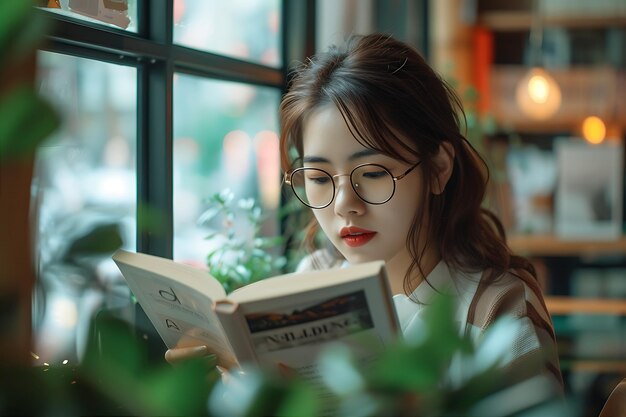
(179,354)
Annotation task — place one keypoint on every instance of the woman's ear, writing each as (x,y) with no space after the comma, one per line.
(444,163)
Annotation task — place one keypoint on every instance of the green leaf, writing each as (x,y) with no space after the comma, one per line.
(211,235)
(474,390)
(300,400)
(13,16)
(116,363)
(209,215)
(25,121)
(279,263)
(246,204)
(268,242)
(114,353)
(403,368)
(21,29)
(180,390)
(104,238)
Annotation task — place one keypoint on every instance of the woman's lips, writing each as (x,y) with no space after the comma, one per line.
(355,236)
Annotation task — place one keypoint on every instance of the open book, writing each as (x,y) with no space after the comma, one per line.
(287,319)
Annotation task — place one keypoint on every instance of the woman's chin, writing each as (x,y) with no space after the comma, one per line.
(354,259)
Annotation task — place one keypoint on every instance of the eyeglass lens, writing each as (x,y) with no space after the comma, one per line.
(316,188)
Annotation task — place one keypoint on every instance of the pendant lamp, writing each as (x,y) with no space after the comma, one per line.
(538,95)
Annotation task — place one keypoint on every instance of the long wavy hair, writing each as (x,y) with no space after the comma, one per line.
(394,102)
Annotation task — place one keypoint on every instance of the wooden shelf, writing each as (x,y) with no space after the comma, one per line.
(550,245)
(571,305)
(506,21)
(586,365)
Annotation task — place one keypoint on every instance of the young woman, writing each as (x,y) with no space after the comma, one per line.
(383,164)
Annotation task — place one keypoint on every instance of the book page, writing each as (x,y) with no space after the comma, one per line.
(299,282)
(293,330)
(182,315)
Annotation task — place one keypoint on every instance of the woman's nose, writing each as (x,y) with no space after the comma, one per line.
(347,202)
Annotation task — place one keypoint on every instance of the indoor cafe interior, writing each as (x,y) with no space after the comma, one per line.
(153,126)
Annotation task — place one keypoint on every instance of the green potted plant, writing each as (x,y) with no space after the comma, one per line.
(239,255)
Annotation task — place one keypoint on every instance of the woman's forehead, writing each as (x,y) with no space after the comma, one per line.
(326,132)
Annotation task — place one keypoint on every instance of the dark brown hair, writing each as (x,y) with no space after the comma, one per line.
(395,103)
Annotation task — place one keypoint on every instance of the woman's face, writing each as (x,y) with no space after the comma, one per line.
(360,231)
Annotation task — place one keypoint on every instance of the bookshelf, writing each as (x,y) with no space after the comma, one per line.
(569,305)
(503,21)
(584,280)
(542,246)
(550,245)
(590,365)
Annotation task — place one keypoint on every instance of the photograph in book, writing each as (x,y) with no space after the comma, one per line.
(334,319)
(287,319)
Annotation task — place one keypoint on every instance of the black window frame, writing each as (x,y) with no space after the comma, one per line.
(156,57)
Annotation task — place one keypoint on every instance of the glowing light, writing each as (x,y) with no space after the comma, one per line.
(116,152)
(594,130)
(186,151)
(179,10)
(538,95)
(538,89)
(237,147)
(65,361)
(64,313)
(34,355)
(273,21)
(46,364)
(112,185)
(268,167)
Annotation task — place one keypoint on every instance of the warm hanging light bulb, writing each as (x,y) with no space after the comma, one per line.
(594,130)
(538,95)
(538,89)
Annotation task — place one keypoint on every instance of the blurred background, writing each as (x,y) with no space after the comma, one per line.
(165,104)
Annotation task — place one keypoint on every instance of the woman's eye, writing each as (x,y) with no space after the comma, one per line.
(375,174)
(319,180)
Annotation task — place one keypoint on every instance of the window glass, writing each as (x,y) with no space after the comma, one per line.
(246,29)
(225,138)
(83,200)
(115,13)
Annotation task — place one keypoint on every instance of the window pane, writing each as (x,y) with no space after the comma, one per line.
(225,137)
(114,13)
(246,29)
(84,186)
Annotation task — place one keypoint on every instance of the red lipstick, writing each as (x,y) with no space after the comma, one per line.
(355,236)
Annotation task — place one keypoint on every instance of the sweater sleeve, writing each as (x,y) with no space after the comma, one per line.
(533,348)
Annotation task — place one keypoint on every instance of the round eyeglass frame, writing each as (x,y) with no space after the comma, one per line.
(289,175)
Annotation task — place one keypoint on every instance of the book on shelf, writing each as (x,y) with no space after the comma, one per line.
(286,319)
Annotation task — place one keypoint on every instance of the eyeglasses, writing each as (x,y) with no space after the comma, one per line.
(373,183)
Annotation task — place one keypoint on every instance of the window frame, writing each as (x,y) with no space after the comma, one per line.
(155,56)
(152,51)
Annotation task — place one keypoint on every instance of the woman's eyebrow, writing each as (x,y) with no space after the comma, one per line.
(356,155)
(313,159)
(363,153)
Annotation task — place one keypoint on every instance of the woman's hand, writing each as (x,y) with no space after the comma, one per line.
(179,354)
